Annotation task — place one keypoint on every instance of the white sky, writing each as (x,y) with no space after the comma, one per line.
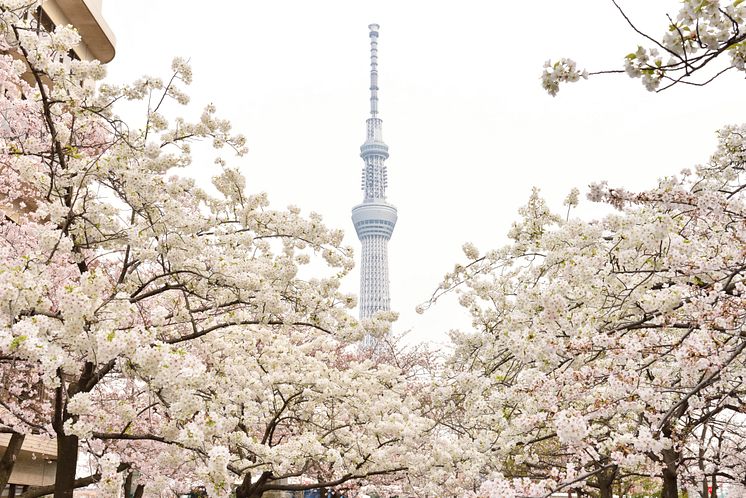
(469,128)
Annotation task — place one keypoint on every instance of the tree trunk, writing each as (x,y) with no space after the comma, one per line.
(606,491)
(605,481)
(127,486)
(670,484)
(67,463)
(9,458)
(247,489)
(670,467)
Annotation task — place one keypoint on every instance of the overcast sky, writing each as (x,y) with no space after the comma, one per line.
(469,128)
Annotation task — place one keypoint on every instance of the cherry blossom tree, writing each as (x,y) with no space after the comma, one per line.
(610,352)
(184,331)
(610,349)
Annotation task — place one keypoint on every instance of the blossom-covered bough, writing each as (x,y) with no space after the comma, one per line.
(706,37)
(163,327)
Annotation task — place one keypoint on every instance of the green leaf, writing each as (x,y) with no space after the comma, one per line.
(631,56)
(17,341)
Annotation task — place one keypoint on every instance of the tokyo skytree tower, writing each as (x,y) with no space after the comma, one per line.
(375,218)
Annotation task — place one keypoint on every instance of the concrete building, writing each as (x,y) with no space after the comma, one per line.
(36,462)
(375,218)
(35,465)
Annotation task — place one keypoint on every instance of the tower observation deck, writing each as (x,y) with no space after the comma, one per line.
(374,218)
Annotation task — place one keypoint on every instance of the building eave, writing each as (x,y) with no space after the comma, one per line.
(98,39)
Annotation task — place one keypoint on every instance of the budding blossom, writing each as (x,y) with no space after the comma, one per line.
(183,70)
(646,64)
(499,487)
(571,428)
(217,478)
(496,488)
(110,485)
(559,72)
(470,251)
(572,198)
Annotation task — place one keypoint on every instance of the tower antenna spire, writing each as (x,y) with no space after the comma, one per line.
(373,69)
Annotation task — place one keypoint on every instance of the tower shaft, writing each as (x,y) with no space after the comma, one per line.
(374,275)
(375,218)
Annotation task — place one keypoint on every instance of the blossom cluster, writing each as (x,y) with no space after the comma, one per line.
(561,71)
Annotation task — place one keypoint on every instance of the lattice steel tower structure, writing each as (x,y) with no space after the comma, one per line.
(375,218)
